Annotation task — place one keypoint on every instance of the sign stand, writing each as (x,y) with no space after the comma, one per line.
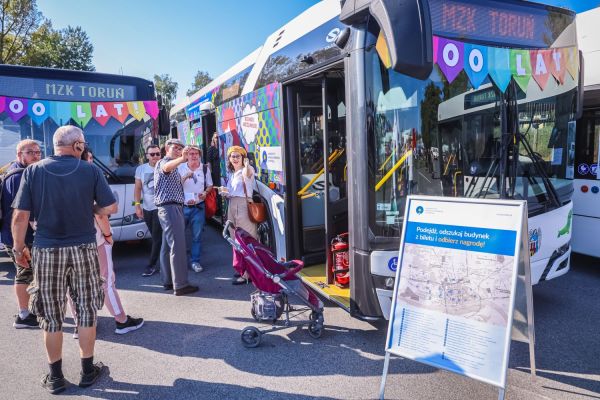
(521,324)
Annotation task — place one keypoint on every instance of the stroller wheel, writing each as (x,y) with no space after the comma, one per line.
(315,330)
(251,336)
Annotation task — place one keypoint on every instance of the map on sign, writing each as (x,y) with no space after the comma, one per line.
(461,283)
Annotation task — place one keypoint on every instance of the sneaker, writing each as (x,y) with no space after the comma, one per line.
(149,271)
(76,333)
(29,321)
(197,267)
(54,385)
(90,378)
(131,324)
(186,290)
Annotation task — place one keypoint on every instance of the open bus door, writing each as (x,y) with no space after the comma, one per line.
(316,161)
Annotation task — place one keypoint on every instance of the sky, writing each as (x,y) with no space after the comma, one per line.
(179,37)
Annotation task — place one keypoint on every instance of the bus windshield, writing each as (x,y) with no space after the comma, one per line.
(446,137)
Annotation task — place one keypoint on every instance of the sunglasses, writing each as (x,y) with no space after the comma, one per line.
(235,156)
(154,154)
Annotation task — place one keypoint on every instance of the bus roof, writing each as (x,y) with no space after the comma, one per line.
(302,24)
(588,36)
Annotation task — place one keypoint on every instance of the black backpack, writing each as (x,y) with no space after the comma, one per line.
(3,178)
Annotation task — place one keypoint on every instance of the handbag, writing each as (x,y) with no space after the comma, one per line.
(210,204)
(257,211)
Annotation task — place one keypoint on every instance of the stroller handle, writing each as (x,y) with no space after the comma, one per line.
(227,235)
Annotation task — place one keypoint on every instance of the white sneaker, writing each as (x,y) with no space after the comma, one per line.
(197,267)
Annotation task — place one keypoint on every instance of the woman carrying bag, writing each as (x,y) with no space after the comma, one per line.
(240,183)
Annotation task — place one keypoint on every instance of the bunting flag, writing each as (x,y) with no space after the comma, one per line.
(81,112)
(502,64)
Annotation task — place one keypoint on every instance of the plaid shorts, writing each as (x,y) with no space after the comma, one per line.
(60,271)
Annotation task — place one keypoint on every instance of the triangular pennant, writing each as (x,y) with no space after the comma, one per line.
(16,108)
(39,111)
(558,67)
(499,67)
(2,103)
(436,42)
(476,63)
(60,112)
(81,113)
(540,66)
(100,112)
(520,67)
(118,111)
(572,61)
(136,109)
(450,58)
(151,107)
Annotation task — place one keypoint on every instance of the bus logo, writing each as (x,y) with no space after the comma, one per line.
(393,264)
(535,241)
(420,210)
(332,35)
(583,169)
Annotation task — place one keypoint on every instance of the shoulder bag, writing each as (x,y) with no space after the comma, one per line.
(257,211)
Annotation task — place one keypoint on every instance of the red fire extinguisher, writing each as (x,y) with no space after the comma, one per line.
(340,265)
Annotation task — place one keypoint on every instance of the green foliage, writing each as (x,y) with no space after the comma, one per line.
(166,88)
(19,19)
(201,79)
(75,50)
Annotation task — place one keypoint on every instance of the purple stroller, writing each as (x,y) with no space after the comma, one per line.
(274,281)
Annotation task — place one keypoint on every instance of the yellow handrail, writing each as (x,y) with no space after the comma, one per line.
(386,161)
(337,153)
(456,182)
(448,163)
(391,171)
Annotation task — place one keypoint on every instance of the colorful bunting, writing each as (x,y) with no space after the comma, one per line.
(502,64)
(520,67)
(81,113)
(450,57)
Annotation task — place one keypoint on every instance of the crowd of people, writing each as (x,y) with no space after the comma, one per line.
(63,255)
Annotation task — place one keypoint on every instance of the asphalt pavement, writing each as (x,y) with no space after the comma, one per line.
(190,348)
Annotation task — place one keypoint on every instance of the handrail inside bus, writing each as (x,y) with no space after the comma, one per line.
(387,160)
(391,171)
(333,157)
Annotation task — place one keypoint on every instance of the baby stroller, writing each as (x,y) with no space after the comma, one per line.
(274,281)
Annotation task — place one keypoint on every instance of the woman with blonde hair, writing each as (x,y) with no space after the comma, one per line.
(239,173)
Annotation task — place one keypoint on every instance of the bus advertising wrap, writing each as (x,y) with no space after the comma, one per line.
(455,285)
(81,113)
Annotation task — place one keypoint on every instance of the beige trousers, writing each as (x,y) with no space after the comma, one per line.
(238,214)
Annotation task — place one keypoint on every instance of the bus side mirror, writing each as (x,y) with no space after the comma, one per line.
(164,125)
(580,88)
(406,26)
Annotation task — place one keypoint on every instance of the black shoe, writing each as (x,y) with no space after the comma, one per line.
(168,286)
(131,324)
(29,321)
(149,271)
(240,281)
(54,385)
(236,275)
(186,290)
(91,377)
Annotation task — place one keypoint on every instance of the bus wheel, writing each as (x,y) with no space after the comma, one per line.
(251,337)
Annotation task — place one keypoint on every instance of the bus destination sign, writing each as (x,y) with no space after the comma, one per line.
(493,22)
(46,89)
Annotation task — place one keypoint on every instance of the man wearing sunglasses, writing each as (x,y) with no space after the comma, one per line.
(145,208)
(28,152)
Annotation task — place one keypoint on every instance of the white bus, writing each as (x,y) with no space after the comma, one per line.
(586,198)
(118,114)
(339,111)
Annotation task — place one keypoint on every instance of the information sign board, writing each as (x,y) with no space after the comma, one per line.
(455,286)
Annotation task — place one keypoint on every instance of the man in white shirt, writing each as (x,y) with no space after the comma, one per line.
(197,182)
(145,208)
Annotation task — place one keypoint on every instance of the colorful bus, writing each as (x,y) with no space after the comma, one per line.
(118,114)
(586,198)
(347,109)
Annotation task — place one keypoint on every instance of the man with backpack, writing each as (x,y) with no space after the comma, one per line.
(197,182)
(28,152)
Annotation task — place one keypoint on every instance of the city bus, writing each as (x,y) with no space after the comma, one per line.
(341,111)
(586,199)
(118,114)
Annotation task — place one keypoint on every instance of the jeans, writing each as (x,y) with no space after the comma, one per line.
(194,221)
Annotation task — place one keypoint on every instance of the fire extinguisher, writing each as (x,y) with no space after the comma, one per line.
(340,265)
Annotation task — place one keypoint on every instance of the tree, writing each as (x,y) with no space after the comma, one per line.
(166,88)
(201,79)
(43,49)
(75,50)
(19,19)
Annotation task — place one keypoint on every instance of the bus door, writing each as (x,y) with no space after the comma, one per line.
(316,163)
(209,127)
